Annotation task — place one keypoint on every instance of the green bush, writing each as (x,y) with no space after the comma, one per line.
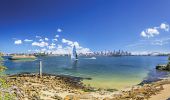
(4,93)
(1,59)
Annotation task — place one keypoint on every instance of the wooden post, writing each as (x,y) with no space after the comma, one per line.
(40,68)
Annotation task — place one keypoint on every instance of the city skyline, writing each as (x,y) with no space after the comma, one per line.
(55,26)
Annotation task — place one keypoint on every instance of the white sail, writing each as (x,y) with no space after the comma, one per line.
(74,54)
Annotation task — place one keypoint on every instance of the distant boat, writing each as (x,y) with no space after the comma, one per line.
(93,58)
(22,57)
(74,54)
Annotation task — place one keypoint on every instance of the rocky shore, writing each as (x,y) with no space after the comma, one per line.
(31,86)
(55,87)
(165,67)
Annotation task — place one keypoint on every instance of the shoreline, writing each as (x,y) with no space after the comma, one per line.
(31,86)
(163,95)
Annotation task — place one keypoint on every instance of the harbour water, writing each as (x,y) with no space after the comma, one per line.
(105,72)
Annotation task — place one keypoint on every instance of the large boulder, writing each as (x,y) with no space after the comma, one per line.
(163,67)
(168,66)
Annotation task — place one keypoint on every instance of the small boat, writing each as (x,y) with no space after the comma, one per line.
(93,58)
(22,57)
(74,54)
(90,58)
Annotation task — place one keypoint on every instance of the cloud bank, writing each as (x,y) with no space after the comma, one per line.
(151,32)
(54,45)
(18,42)
(40,44)
(27,40)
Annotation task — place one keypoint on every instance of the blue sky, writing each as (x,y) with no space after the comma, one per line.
(92,25)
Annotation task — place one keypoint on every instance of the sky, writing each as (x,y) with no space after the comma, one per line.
(91,25)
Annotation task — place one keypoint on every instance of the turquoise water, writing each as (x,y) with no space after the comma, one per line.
(106,72)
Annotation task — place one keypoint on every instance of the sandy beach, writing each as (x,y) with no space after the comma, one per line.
(162,95)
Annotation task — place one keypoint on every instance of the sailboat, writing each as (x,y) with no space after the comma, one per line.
(74,54)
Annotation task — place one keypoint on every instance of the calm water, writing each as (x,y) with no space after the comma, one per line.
(106,72)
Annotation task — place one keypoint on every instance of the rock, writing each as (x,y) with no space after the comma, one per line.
(56,97)
(161,67)
(164,67)
(168,66)
(140,97)
(111,90)
(31,86)
(107,98)
(71,97)
(35,97)
(80,97)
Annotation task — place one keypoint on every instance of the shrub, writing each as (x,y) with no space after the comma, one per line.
(4,87)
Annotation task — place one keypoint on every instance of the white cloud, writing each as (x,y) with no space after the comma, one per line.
(46,39)
(59,30)
(164,26)
(54,39)
(57,36)
(41,40)
(59,47)
(79,48)
(84,50)
(71,43)
(76,44)
(40,44)
(136,44)
(27,40)
(51,47)
(150,42)
(18,42)
(38,36)
(143,34)
(67,42)
(52,44)
(151,32)
(161,42)
(44,45)
(64,50)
